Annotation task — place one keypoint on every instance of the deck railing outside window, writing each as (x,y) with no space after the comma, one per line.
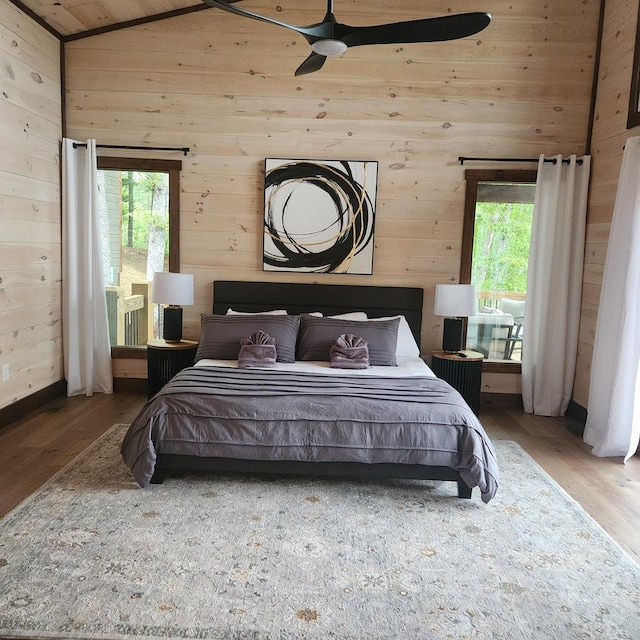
(497,330)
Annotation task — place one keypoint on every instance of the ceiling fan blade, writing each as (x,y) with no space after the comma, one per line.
(308,32)
(314,62)
(425,30)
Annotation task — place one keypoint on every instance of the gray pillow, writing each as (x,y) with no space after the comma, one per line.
(220,335)
(318,334)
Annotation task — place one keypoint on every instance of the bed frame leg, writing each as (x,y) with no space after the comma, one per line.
(464,490)
(158,476)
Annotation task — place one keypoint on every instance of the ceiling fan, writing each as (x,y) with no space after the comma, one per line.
(331,38)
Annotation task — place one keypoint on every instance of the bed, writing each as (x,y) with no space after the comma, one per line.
(302,416)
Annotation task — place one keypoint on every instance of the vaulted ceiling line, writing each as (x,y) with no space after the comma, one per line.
(133,23)
(35,17)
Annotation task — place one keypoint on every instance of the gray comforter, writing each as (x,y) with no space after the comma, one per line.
(276,415)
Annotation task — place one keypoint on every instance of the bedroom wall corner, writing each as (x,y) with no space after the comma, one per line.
(30,240)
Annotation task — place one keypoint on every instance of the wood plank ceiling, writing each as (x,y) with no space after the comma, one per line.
(74,18)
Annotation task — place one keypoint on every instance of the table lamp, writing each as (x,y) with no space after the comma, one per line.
(457,301)
(173,290)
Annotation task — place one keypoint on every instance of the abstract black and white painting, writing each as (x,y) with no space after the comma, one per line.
(319,215)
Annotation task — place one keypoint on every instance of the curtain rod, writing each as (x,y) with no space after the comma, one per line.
(463,159)
(184,150)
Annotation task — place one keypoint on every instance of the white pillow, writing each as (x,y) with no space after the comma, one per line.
(352,315)
(275,312)
(407,345)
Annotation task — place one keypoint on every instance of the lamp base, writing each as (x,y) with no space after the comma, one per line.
(172,324)
(452,338)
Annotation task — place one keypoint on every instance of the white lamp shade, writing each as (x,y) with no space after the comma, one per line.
(455,300)
(174,289)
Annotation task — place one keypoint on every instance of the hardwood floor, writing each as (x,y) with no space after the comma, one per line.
(607,489)
(36,447)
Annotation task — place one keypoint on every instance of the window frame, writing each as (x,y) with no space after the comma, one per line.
(473,177)
(173,168)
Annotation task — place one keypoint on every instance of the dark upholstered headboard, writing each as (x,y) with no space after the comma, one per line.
(329,299)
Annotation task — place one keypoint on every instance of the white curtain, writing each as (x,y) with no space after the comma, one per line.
(87,350)
(613,422)
(554,285)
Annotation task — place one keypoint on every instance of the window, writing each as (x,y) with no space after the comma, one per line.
(140,202)
(495,254)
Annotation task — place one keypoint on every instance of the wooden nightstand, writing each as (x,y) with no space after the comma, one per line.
(462,373)
(165,359)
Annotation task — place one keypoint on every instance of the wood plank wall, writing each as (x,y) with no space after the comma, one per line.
(224,86)
(30,254)
(609,135)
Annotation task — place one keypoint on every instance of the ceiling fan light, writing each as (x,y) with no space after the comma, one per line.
(329,47)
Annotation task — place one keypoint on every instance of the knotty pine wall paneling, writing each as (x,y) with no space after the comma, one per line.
(30,230)
(224,86)
(609,135)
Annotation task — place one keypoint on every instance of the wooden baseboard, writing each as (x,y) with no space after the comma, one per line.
(500,400)
(130,385)
(22,407)
(578,413)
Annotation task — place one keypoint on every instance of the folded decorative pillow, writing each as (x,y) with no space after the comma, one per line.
(257,351)
(349,352)
(318,334)
(220,336)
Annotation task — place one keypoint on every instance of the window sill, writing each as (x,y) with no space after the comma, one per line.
(498,366)
(129,353)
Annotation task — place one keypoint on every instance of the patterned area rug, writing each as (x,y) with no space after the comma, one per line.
(91,555)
